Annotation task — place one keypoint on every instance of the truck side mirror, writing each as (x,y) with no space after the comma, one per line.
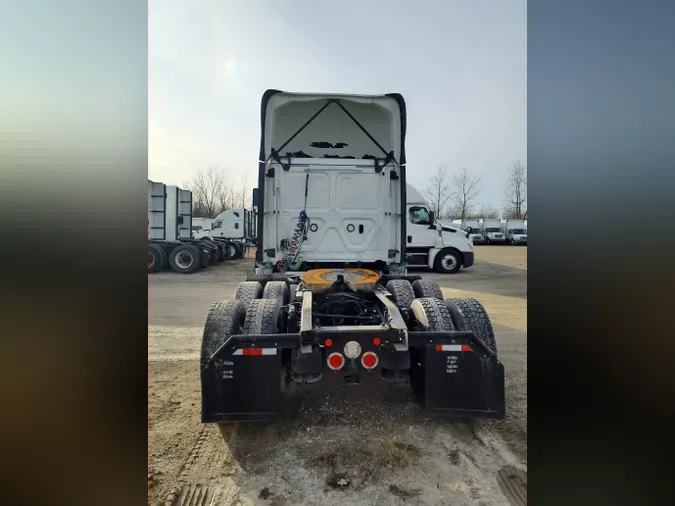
(432,218)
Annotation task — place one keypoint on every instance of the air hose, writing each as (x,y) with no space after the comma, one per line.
(292,260)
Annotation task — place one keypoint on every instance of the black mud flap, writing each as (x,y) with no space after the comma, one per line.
(241,387)
(453,381)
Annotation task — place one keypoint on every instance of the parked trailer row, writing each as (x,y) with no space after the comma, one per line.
(170,241)
(495,231)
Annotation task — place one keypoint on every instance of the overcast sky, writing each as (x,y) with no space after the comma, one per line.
(460,64)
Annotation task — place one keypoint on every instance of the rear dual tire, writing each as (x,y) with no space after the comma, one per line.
(185,259)
(470,315)
(156,258)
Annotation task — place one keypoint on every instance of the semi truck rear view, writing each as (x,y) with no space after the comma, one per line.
(331,293)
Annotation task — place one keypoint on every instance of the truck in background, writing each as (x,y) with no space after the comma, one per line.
(515,231)
(170,242)
(475,234)
(199,224)
(431,243)
(236,228)
(492,231)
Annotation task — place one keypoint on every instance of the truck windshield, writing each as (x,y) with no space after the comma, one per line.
(492,229)
(517,231)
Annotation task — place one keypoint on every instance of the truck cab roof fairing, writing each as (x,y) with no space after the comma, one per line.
(332,132)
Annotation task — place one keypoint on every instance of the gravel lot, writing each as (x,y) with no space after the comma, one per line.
(369,445)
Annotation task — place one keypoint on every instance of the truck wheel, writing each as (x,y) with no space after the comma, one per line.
(432,314)
(235,250)
(247,291)
(221,253)
(262,317)
(477,320)
(457,317)
(156,258)
(427,288)
(447,261)
(277,290)
(402,292)
(226,318)
(185,259)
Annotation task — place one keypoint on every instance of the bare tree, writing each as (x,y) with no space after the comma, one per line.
(245,198)
(209,188)
(485,212)
(515,192)
(437,192)
(465,190)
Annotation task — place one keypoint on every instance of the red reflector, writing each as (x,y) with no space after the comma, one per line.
(251,351)
(466,347)
(369,360)
(376,341)
(328,342)
(336,361)
(439,347)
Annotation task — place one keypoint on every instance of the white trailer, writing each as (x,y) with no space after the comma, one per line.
(170,242)
(492,231)
(473,229)
(515,231)
(199,224)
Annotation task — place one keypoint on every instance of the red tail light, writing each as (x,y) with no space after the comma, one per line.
(369,360)
(336,361)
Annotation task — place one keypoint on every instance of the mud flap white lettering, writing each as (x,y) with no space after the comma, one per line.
(452,364)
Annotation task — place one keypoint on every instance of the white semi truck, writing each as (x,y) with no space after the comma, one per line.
(492,231)
(515,231)
(234,227)
(331,293)
(432,244)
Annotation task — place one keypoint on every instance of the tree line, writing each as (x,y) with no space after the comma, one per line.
(449,197)
(455,197)
(213,192)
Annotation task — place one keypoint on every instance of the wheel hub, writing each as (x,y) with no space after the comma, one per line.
(449,261)
(184,260)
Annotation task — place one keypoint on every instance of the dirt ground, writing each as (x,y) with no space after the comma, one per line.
(365,445)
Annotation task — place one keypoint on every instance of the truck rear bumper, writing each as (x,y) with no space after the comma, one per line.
(452,373)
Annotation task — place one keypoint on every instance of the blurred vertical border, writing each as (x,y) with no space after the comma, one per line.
(73,170)
(601,160)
